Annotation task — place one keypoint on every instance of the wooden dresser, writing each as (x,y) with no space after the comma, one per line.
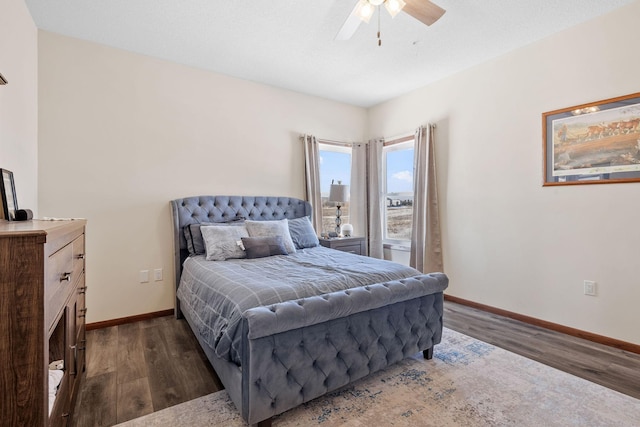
(42,318)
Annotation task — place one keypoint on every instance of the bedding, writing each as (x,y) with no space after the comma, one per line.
(220,292)
(272,346)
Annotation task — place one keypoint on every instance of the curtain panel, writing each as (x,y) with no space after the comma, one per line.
(375,198)
(312,179)
(426,242)
(358,190)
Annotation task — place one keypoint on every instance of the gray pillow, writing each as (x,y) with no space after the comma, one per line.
(272,228)
(302,233)
(193,235)
(223,242)
(260,247)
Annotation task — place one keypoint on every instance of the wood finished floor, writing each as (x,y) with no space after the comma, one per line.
(138,368)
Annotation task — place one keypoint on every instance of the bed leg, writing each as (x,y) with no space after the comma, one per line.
(265,423)
(176,311)
(428,353)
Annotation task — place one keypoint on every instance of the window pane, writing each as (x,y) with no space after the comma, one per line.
(399,194)
(335,164)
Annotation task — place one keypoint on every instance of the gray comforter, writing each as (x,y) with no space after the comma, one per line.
(217,293)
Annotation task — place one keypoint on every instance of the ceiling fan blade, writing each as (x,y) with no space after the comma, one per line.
(350,26)
(424,11)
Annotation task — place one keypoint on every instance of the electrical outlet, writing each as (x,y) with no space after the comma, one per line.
(589,288)
(157,274)
(144,276)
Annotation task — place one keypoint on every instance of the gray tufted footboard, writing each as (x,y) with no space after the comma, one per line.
(296,351)
(284,370)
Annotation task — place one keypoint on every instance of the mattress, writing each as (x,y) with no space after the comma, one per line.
(217,293)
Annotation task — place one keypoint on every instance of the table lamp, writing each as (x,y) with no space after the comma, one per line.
(339,194)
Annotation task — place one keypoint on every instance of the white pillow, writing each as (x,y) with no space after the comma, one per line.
(221,241)
(272,228)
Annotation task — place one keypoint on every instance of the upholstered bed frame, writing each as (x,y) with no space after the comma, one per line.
(295,351)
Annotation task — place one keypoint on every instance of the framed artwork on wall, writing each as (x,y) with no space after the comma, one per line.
(8,198)
(593,143)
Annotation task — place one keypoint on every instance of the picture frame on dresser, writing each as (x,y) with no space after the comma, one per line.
(8,199)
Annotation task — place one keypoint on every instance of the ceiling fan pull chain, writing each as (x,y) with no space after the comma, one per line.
(379,39)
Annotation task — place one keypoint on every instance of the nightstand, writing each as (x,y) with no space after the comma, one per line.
(354,245)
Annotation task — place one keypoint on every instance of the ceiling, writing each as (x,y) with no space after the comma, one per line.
(289,43)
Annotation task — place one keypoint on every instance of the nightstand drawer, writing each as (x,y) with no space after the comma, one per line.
(354,245)
(354,249)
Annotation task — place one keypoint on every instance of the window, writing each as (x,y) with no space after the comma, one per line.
(335,164)
(398,190)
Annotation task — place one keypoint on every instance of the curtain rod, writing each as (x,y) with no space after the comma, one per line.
(398,139)
(331,142)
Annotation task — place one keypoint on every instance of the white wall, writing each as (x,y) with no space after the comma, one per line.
(122,134)
(19,100)
(509,242)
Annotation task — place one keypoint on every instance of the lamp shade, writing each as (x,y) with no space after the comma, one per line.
(339,193)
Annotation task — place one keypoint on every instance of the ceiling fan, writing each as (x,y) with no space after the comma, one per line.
(423,10)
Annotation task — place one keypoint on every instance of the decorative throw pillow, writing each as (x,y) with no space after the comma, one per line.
(193,235)
(302,233)
(272,228)
(223,242)
(195,243)
(260,247)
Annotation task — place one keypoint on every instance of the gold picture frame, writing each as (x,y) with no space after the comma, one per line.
(593,143)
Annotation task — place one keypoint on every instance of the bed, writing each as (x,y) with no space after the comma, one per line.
(278,345)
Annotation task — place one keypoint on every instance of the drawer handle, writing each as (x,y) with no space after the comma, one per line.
(82,290)
(80,256)
(75,356)
(65,415)
(83,310)
(65,276)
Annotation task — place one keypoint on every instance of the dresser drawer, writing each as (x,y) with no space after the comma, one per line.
(78,257)
(58,283)
(81,309)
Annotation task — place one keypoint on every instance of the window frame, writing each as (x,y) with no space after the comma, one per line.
(344,148)
(397,144)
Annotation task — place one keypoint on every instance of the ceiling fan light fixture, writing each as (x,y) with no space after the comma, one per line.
(364,10)
(394,6)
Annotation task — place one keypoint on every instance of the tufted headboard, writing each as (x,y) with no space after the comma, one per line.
(207,209)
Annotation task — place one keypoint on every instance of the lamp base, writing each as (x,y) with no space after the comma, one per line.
(338,220)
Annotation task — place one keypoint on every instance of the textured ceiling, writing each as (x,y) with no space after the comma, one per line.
(289,43)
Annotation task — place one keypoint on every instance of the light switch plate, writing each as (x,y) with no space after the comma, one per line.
(144,276)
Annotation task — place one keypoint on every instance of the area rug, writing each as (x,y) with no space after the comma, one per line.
(467,383)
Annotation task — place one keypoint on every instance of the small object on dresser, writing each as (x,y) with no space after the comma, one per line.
(347,230)
(24,215)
